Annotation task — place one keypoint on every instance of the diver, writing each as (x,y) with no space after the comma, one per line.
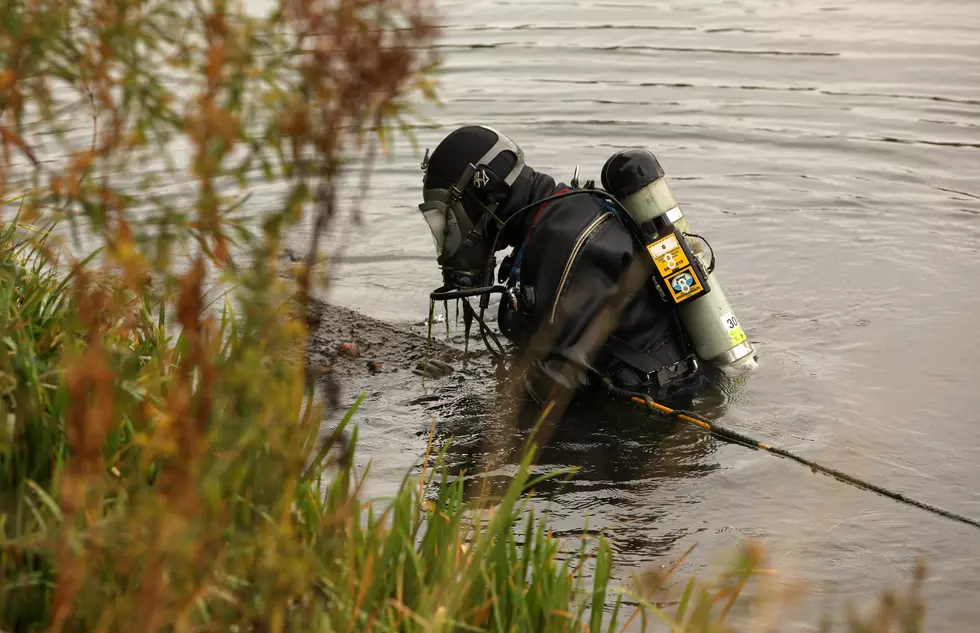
(581,300)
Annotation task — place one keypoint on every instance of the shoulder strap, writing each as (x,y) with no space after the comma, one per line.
(516,268)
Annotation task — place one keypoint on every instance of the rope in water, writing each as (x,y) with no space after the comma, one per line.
(738,438)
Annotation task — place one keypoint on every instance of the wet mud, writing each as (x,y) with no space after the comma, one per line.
(360,348)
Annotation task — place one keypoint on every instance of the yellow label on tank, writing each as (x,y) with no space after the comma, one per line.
(737,336)
(735,332)
(668,255)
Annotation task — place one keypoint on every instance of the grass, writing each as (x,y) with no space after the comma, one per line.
(178,483)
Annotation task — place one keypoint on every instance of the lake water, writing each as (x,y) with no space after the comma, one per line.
(831,153)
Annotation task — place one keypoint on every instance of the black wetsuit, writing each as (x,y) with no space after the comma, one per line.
(568,256)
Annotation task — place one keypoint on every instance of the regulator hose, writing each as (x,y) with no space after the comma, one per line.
(446,293)
(738,438)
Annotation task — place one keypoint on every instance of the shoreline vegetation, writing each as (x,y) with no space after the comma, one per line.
(163,462)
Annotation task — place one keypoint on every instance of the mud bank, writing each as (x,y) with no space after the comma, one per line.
(358,347)
(353,353)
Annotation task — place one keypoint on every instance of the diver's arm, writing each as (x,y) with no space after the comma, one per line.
(566,366)
(591,308)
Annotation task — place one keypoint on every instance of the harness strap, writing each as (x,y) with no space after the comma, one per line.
(516,268)
(658,373)
(632,356)
(537,216)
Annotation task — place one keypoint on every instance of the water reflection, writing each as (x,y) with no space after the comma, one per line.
(625,457)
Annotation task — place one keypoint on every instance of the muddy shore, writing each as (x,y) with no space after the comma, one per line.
(352,353)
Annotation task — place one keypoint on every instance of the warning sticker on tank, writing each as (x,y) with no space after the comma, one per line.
(684,285)
(668,255)
(734,328)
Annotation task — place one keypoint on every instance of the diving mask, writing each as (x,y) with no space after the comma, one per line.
(462,248)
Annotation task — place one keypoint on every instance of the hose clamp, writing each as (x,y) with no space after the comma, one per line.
(512,293)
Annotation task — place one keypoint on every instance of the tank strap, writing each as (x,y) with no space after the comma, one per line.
(648,363)
(631,225)
(633,356)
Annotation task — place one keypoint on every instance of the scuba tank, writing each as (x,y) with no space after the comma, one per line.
(637,180)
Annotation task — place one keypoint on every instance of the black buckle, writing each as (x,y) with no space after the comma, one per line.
(682,369)
(646,366)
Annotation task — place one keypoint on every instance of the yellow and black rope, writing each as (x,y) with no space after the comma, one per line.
(738,438)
